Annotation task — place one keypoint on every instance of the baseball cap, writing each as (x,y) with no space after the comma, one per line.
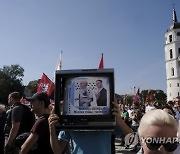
(42,96)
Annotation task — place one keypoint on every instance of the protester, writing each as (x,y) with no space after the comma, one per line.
(149,106)
(39,139)
(157,132)
(2,124)
(20,120)
(86,142)
(169,110)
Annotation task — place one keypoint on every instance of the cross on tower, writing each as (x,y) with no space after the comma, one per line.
(173,4)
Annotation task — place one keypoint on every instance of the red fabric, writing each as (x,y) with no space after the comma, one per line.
(149,95)
(45,85)
(101,63)
(137,96)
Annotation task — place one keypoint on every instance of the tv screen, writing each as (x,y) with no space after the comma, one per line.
(83,98)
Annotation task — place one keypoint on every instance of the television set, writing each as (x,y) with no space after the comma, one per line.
(83,99)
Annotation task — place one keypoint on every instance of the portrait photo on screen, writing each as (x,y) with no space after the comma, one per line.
(87,95)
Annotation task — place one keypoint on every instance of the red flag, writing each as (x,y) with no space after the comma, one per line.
(137,96)
(149,95)
(101,63)
(45,85)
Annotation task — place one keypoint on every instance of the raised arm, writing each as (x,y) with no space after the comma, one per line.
(120,122)
(58,146)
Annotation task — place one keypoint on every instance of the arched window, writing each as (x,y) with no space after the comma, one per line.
(170,38)
(172,71)
(171,53)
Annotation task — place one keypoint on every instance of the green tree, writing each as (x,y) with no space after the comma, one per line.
(158,95)
(31,88)
(10,80)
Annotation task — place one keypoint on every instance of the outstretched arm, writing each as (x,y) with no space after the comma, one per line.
(58,146)
(120,122)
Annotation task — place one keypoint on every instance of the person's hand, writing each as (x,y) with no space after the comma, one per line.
(97,95)
(53,118)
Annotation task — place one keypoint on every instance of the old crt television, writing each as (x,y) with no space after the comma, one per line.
(83,99)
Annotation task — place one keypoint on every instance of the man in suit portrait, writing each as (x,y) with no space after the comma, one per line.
(101,96)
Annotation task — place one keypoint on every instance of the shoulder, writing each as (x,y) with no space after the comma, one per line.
(41,120)
(17,109)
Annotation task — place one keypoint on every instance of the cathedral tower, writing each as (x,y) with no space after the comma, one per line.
(172,58)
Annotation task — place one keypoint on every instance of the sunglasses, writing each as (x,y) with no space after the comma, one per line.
(170,147)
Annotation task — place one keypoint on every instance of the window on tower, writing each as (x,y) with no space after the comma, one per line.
(172,71)
(178,33)
(170,38)
(178,93)
(179,51)
(171,53)
(177,84)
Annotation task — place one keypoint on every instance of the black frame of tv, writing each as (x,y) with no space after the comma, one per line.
(80,121)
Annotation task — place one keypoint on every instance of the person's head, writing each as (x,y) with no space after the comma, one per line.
(99,83)
(2,108)
(83,84)
(169,110)
(14,97)
(135,106)
(40,103)
(177,103)
(156,127)
(170,103)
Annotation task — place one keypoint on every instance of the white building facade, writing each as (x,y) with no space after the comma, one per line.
(172,59)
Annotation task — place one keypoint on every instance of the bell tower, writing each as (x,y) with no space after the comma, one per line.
(172,58)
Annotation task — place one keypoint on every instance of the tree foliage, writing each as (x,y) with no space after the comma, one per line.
(10,80)
(31,88)
(158,95)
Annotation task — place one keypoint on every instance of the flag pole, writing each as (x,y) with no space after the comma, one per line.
(58,65)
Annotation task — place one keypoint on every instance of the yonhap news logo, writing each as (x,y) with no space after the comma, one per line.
(160,140)
(132,139)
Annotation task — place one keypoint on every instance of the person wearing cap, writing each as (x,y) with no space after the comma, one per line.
(38,140)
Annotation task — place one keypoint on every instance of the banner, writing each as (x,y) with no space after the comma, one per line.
(136,98)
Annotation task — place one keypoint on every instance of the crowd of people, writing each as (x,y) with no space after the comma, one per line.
(32,129)
(134,114)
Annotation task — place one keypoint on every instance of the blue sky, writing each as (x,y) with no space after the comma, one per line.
(130,33)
